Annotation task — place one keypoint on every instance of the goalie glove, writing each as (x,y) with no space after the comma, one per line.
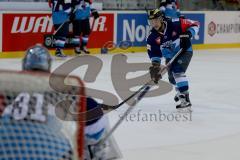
(95,13)
(154,71)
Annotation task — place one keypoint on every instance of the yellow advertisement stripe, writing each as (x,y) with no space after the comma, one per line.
(20,54)
(216,46)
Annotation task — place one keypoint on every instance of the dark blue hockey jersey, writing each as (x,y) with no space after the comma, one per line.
(167,44)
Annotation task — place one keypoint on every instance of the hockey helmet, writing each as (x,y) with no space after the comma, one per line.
(155,13)
(155,19)
(37,58)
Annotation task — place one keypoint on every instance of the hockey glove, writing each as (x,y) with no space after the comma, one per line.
(95,13)
(154,72)
(72,17)
(185,40)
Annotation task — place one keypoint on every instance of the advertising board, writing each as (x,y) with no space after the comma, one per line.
(222,30)
(22,30)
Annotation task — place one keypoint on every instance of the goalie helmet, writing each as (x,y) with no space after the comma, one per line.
(37,58)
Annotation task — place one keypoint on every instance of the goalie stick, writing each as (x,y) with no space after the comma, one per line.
(142,92)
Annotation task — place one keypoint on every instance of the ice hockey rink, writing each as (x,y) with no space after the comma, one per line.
(212,130)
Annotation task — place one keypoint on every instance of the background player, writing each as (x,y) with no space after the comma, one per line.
(81,24)
(165,40)
(170,8)
(61,10)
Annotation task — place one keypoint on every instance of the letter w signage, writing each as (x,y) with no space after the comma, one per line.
(23,30)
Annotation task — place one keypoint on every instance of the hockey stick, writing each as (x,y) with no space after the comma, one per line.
(60,27)
(146,9)
(64,23)
(107,108)
(141,95)
(145,88)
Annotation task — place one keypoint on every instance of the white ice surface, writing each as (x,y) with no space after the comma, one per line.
(214,130)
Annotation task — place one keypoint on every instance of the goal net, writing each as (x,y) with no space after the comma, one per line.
(39,116)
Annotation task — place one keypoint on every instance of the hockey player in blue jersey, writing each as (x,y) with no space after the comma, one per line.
(170,9)
(165,40)
(81,24)
(61,10)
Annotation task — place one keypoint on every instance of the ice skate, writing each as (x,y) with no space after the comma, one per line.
(60,54)
(185,104)
(77,50)
(85,50)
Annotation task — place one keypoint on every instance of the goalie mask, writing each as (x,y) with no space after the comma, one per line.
(37,58)
(155,19)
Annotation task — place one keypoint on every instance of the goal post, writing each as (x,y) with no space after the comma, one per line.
(29,125)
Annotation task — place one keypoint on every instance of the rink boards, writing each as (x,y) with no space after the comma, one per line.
(21,29)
